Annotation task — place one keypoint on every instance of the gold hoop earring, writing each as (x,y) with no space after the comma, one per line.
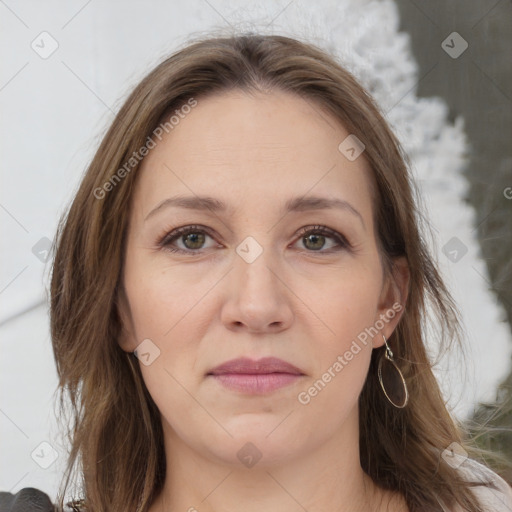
(397,395)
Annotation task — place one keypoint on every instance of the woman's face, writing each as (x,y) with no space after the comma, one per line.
(268,267)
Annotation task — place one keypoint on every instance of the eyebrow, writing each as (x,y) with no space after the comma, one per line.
(297,204)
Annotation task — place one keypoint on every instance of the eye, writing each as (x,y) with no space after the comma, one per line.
(314,238)
(192,238)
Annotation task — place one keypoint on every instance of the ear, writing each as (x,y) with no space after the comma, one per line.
(127,338)
(393,298)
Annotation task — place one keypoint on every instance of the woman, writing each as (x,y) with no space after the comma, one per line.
(237,300)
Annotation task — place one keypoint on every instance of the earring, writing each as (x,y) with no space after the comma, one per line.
(396,394)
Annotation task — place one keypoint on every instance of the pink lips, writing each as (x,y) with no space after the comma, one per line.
(255,377)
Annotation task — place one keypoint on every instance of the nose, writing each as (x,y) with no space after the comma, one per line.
(259,297)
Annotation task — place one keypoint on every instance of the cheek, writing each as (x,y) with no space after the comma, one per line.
(347,308)
(168,306)
(342,354)
(345,302)
(164,298)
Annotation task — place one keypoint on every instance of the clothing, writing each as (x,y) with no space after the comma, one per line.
(493,500)
(26,500)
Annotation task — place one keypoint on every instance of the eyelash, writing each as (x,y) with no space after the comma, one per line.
(169,237)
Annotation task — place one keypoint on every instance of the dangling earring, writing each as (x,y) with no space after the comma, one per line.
(396,394)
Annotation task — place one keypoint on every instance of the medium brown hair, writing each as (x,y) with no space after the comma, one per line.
(115,432)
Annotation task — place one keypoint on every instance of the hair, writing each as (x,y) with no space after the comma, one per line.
(115,427)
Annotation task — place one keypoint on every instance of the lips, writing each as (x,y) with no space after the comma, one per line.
(248,366)
(249,377)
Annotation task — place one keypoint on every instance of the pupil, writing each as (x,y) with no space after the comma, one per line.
(195,238)
(315,239)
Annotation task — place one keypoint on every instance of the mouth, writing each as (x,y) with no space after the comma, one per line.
(255,377)
(244,365)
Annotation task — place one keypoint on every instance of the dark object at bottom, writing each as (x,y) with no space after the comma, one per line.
(26,500)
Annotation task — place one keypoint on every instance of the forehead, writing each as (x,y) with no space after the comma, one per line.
(241,146)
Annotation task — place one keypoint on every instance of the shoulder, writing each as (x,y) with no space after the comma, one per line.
(493,492)
(30,499)
(27,499)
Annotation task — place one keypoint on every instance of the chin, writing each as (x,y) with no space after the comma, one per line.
(258,444)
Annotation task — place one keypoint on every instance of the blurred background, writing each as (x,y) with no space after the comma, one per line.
(441,74)
(479,88)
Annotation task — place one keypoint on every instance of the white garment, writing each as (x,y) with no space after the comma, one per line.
(493,500)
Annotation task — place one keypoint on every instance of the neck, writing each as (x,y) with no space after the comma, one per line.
(329,477)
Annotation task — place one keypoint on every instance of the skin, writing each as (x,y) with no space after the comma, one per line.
(306,306)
